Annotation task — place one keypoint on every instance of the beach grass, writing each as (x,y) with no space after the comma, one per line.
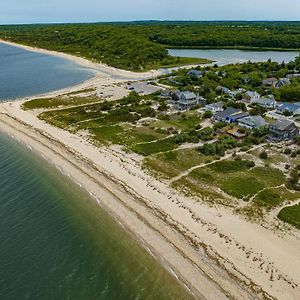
(291,215)
(56,102)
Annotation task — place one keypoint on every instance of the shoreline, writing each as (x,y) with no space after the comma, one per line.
(131,221)
(189,239)
(214,252)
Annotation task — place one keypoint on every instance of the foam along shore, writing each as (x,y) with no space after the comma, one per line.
(214,252)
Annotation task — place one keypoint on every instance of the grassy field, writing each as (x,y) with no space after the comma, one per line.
(171,164)
(237,178)
(291,215)
(203,176)
(56,102)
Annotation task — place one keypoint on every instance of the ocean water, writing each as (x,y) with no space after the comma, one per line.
(57,243)
(24,73)
(231,56)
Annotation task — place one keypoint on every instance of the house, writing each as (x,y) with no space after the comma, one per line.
(195,73)
(287,108)
(270,81)
(175,95)
(282,82)
(186,100)
(222,89)
(230,115)
(166,93)
(252,122)
(251,96)
(291,76)
(283,130)
(235,93)
(215,107)
(269,103)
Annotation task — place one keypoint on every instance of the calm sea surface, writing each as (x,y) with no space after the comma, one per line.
(57,243)
(230,56)
(24,73)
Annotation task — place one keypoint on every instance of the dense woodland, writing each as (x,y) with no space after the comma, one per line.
(143,45)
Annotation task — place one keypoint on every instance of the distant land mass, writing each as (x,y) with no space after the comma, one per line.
(142,45)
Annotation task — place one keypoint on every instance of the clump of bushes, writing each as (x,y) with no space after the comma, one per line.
(263,155)
(220,147)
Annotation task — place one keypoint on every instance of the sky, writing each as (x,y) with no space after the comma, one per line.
(62,11)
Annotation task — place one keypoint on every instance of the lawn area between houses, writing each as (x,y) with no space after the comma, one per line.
(237,178)
(170,164)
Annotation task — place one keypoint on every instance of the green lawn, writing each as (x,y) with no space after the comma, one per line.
(171,164)
(238,178)
(291,215)
(275,196)
(123,135)
(58,102)
(147,149)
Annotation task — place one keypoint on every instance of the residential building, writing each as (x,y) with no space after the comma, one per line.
(283,130)
(230,115)
(270,81)
(215,107)
(252,122)
(282,81)
(251,96)
(195,73)
(186,100)
(287,108)
(291,76)
(222,89)
(269,103)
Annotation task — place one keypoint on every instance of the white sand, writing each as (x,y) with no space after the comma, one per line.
(214,252)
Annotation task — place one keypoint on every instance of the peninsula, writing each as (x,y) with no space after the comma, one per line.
(200,163)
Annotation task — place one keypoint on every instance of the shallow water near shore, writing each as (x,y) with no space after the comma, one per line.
(24,73)
(57,243)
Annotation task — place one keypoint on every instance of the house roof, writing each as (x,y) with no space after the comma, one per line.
(188,95)
(282,124)
(194,72)
(265,101)
(228,112)
(252,94)
(219,104)
(270,80)
(254,121)
(288,107)
(239,115)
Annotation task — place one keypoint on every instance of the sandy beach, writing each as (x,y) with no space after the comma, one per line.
(215,253)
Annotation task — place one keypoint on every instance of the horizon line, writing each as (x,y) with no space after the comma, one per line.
(148,21)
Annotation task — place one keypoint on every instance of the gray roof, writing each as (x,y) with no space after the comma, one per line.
(265,101)
(252,94)
(288,107)
(219,104)
(254,121)
(228,112)
(195,72)
(282,124)
(188,95)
